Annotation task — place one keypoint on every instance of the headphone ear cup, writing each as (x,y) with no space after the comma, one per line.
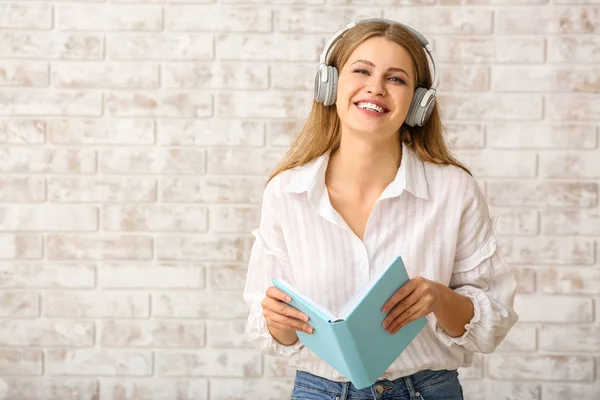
(331,86)
(417,114)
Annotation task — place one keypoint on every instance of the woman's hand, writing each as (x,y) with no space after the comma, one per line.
(417,298)
(282,316)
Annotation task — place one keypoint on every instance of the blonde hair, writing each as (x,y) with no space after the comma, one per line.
(321,131)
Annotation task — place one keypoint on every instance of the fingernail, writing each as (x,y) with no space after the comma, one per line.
(310,330)
(288,299)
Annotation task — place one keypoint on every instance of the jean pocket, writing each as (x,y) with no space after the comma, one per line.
(303,393)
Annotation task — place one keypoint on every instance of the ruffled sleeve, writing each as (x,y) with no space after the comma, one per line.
(482,276)
(268,259)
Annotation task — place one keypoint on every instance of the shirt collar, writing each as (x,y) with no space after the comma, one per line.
(310,177)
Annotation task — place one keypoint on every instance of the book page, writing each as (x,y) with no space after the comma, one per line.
(324,311)
(356,298)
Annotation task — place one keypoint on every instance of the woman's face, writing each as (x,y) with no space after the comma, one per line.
(375,88)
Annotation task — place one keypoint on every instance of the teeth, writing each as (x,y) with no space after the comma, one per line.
(370,106)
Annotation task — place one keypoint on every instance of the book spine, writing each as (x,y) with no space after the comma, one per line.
(356,371)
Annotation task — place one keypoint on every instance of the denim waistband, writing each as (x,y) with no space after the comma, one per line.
(405,387)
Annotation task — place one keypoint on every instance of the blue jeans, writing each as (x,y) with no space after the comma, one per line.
(424,385)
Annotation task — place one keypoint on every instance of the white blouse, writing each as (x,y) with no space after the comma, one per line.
(434,217)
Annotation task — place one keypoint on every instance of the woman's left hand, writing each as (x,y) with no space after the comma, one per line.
(417,298)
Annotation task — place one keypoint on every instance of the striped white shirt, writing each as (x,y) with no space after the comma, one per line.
(434,217)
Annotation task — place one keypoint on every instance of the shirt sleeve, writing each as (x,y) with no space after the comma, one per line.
(481,275)
(268,259)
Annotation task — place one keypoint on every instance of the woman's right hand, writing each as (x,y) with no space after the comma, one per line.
(281,316)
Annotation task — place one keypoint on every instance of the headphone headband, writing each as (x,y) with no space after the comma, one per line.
(424,43)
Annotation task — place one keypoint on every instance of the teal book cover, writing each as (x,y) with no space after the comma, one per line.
(354,341)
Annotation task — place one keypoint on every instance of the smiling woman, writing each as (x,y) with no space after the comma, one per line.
(368,179)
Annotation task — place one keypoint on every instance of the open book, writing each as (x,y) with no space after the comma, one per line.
(354,342)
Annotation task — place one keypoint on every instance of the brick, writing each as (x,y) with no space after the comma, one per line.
(49,389)
(465,135)
(152,160)
(212,190)
(37,275)
(154,276)
(122,75)
(210,18)
(543,194)
(542,250)
(47,160)
(211,132)
(36,333)
(319,20)
(227,276)
(21,362)
(486,389)
(164,104)
(240,389)
(107,247)
(541,367)
(160,218)
(547,20)
(440,20)
(282,133)
(284,47)
(16,304)
(553,308)
(102,17)
(540,135)
(495,164)
(383,2)
(233,219)
(94,362)
(48,217)
(227,334)
(64,46)
(545,79)
(22,131)
(96,304)
(581,49)
(561,391)
(153,334)
(154,389)
(474,371)
(263,104)
(521,338)
(483,50)
(491,2)
(569,280)
(293,76)
(213,247)
(491,107)
(102,189)
(202,304)
(569,165)
(464,78)
(22,189)
(26,16)
(24,74)
(98,131)
(21,246)
(584,339)
(234,161)
(571,222)
(216,75)
(50,103)
(160,46)
(576,107)
(526,278)
(515,221)
(287,2)
(209,362)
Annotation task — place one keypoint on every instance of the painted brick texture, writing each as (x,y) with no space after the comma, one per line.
(135,137)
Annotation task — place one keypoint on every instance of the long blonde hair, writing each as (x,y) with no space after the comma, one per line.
(321,131)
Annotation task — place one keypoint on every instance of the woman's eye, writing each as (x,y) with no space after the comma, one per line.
(398,79)
(360,71)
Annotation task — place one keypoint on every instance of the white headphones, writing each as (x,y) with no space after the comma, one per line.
(423,100)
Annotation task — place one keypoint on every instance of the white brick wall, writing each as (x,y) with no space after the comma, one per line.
(126,204)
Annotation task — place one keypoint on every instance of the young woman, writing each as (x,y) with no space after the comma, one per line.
(370,178)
